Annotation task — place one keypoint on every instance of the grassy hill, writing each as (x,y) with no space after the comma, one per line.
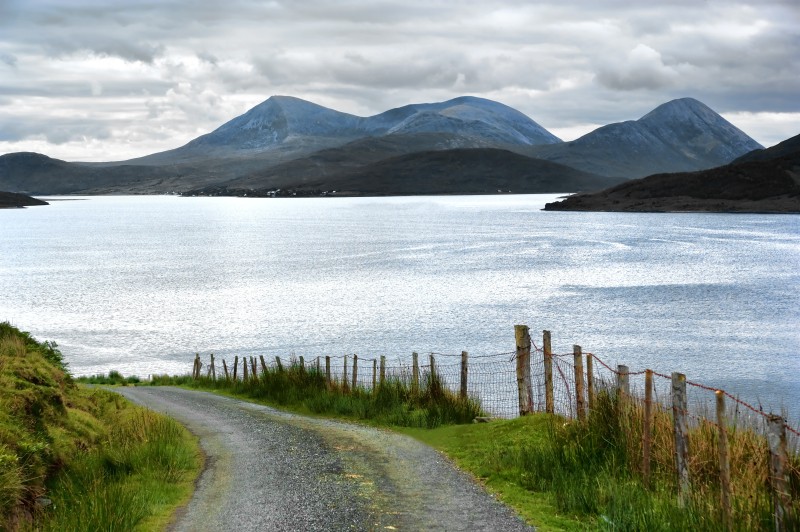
(77,458)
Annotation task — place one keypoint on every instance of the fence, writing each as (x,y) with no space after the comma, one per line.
(534,379)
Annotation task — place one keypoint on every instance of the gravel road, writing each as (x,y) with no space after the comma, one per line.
(270,470)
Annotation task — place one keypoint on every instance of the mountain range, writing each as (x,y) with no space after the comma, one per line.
(288,146)
(761,181)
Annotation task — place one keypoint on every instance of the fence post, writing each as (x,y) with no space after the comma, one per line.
(235,367)
(647,431)
(317,363)
(724,463)
(244,369)
(225,367)
(197,364)
(679,411)
(278,362)
(590,380)
(433,368)
(355,372)
(577,355)
(328,370)
(383,369)
(345,384)
(623,380)
(213,368)
(253,368)
(302,363)
(374,374)
(415,373)
(263,365)
(522,338)
(464,356)
(778,475)
(549,400)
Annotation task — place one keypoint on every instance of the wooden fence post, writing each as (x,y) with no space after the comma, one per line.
(263,365)
(580,405)
(522,338)
(235,367)
(328,370)
(433,368)
(317,363)
(225,367)
(197,366)
(355,372)
(623,380)
(253,369)
(213,368)
(778,474)
(345,384)
(244,369)
(464,356)
(414,373)
(724,463)
(549,400)
(374,374)
(279,364)
(590,380)
(681,426)
(647,430)
(383,370)
(302,364)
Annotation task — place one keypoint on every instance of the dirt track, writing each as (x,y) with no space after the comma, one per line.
(269,470)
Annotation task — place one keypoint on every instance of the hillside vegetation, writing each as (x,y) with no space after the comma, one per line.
(75,458)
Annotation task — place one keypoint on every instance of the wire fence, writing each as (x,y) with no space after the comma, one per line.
(492,379)
(661,412)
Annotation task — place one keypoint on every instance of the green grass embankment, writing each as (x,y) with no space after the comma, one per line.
(77,458)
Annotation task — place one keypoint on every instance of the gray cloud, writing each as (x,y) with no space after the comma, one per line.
(151,75)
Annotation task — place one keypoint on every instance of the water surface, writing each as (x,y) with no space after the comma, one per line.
(140,284)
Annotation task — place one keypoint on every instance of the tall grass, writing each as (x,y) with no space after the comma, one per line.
(142,469)
(393,402)
(594,469)
(100,462)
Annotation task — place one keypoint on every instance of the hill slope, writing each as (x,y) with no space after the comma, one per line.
(458,171)
(678,136)
(763,181)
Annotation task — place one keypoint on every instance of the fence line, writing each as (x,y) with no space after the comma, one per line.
(533,379)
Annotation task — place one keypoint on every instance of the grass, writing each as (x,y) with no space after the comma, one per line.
(75,458)
(396,402)
(114,378)
(567,475)
(558,474)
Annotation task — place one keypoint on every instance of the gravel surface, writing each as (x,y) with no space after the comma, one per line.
(271,470)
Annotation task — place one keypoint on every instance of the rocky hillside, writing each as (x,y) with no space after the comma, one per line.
(762,181)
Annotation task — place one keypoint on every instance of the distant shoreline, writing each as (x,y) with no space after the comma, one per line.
(13,200)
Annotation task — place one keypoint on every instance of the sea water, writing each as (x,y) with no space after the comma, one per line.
(140,284)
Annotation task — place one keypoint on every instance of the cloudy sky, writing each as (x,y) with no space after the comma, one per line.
(113,79)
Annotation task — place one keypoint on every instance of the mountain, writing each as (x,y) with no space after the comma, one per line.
(285,125)
(765,180)
(286,142)
(456,171)
(678,136)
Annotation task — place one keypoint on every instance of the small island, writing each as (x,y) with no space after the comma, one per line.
(12,200)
